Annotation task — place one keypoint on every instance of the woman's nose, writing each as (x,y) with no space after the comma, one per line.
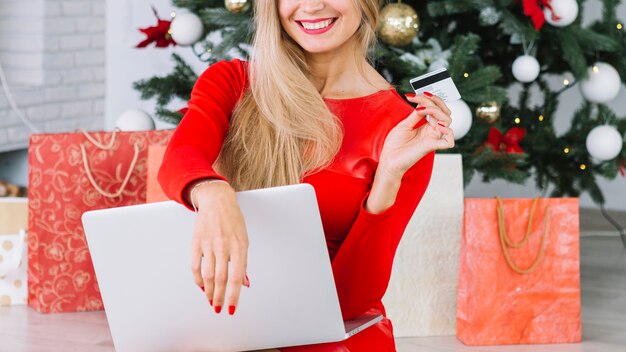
(312,5)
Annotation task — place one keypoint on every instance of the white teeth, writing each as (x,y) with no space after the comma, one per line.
(316,25)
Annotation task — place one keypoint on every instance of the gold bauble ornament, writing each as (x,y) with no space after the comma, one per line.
(398,24)
(237,6)
(488,112)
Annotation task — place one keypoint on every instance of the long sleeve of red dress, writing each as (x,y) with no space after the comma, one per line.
(361,245)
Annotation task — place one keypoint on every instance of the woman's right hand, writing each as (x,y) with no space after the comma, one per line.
(219,237)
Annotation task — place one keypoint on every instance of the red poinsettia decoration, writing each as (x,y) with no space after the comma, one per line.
(508,143)
(534,10)
(158,34)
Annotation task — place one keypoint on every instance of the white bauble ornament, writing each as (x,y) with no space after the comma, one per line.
(461,118)
(604,142)
(565,10)
(602,85)
(134,120)
(525,68)
(186,29)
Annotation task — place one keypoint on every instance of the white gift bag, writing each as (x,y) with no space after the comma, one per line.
(422,293)
(13,251)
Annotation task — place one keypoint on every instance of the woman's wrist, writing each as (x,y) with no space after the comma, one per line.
(201,189)
(384,190)
(397,171)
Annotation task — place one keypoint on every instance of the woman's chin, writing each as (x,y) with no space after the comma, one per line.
(317,49)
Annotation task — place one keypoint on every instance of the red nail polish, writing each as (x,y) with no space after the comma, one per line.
(211,302)
(440,124)
(428,94)
(231,310)
(218,309)
(410,95)
(247,282)
(420,108)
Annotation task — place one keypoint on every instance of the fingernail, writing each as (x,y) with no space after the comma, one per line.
(218,309)
(440,124)
(231,310)
(428,94)
(420,108)
(247,282)
(410,95)
(202,288)
(211,302)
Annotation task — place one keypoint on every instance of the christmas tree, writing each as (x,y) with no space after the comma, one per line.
(488,47)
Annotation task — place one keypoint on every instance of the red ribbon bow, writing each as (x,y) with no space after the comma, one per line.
(535,12)
(509,142)
(158,34)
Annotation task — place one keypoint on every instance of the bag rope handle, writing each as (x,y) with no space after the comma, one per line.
(124,183)
(523,242)
(108,146)
(506,242)
(95,142)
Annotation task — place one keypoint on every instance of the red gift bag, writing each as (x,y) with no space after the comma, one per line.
(70,173)
(519,279)
(154,192)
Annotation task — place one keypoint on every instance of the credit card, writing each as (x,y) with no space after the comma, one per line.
(437,82)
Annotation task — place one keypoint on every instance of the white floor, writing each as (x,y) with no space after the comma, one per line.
(603,278)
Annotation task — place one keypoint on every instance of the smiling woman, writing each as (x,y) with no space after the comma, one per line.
(316,26)
(308,107)
(320,26)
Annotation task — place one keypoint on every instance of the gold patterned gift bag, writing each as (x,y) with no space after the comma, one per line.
(13,249)
(69,174)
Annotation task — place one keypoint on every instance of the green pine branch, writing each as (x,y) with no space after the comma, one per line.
(177,84)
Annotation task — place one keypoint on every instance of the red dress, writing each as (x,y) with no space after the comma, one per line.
(361,244)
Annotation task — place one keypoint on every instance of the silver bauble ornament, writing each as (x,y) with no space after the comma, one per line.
(489,16)
(602,83)
(135,120)
(525,68)
(604,142)
(461,118)
(565,12)
(186,29)
(398,24)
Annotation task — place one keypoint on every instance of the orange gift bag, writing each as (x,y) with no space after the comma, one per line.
(70,173)
(519,280)
(154,192)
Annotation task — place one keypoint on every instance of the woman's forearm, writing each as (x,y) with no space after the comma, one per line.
(384,190)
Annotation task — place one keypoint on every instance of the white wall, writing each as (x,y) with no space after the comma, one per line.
(125,64)
(53,55)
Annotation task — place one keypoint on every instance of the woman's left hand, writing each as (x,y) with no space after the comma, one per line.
(405,144)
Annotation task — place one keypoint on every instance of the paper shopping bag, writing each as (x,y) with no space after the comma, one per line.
(13,249)
(70,173)
(519,280)
(154,192)
(421,297)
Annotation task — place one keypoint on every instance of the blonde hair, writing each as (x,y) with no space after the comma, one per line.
(281,129)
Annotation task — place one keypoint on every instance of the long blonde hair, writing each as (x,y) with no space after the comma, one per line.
(281,129)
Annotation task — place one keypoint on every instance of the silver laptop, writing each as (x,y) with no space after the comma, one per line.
(142,259)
